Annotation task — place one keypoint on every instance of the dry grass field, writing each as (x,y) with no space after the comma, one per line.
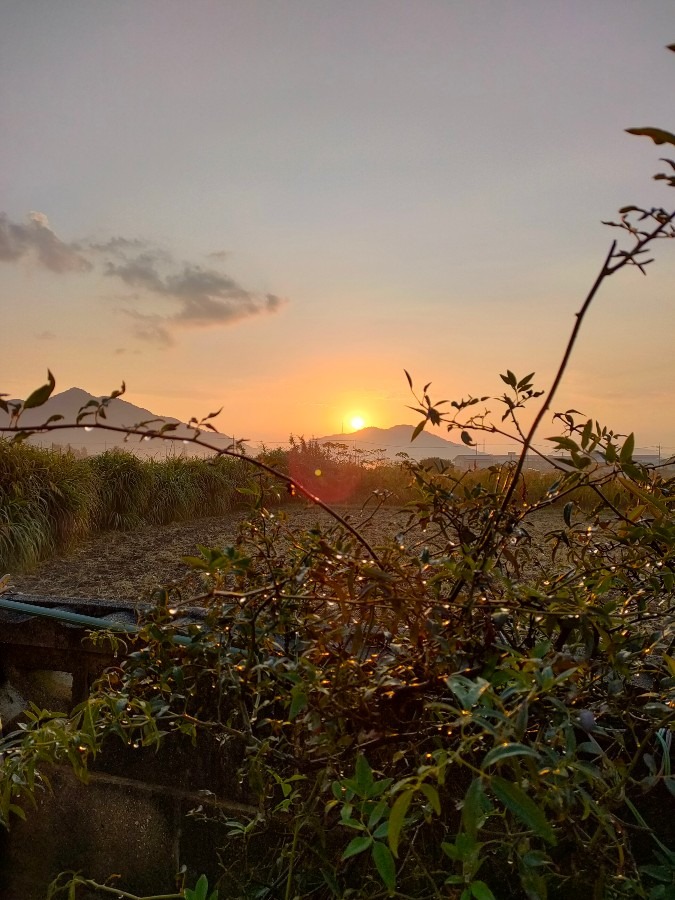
(131,565)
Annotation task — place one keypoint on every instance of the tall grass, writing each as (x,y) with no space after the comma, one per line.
(182,488)
(124,484)
(49,500)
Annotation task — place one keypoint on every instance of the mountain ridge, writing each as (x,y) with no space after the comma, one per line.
(120,413)
(396,439)
(123,414)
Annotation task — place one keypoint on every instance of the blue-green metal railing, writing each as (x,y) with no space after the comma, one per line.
(72,618)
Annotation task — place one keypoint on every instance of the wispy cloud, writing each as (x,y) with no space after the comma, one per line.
(150,327)
(137,272)
(36,239)
(195,296)
(200,297)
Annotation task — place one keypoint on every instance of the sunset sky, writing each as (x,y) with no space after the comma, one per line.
(277,206)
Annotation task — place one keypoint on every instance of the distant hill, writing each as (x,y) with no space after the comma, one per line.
(119,413)
(397,440)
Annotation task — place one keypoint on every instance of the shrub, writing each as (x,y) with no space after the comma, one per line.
(340,475)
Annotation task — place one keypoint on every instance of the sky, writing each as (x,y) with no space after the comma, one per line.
(276,207)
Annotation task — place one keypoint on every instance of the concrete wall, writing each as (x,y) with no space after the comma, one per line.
(129,820)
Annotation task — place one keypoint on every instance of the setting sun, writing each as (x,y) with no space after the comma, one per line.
(357,422)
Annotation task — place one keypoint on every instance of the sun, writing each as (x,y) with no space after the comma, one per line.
(357,422)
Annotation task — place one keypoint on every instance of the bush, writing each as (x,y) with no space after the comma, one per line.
(340,475)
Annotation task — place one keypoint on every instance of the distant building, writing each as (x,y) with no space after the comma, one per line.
(468,462)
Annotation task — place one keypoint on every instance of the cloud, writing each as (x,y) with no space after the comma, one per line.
(45,336)
(152,328)
(190,295)
(138,272)
(117,245)
(201,297)
(36,239)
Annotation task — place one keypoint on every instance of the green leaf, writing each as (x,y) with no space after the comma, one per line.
(658,135)
(506,751)
(455,879)
(418,429)
(463,850)
(467,692)
(397,818)
(516,801)
(376,815)
(299,700)
(658,873)
(18,811)
(586,433)
(200,889)
(472,808)
(352,823)
(385,864)
(433,799)
(626,454)
(382,831)
(567,514)
(565,443)
(42,394)
(357,845)
(364,775)
(481,891)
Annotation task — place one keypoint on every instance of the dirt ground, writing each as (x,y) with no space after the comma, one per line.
(131,565)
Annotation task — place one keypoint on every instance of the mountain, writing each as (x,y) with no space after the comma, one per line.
(119,413)
(397,440)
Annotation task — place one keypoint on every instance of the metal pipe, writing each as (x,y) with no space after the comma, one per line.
(72,618)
